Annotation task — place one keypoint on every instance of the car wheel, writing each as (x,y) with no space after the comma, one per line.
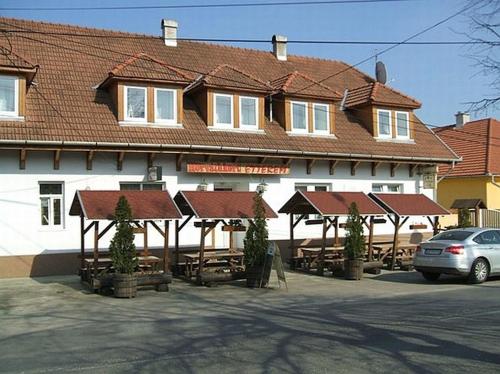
(479,272)
(431,276)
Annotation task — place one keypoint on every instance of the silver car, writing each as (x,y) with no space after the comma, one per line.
(473,251)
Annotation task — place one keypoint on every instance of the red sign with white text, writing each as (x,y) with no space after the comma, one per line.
(210,168)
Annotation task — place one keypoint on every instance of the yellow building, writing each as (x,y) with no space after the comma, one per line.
(478,175)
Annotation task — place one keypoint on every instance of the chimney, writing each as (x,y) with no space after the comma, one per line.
(461,119)
(279,47)
(169,32)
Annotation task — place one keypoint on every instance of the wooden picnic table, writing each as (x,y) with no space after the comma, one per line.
(404,254)
(222,259)
(312,255)
(106,263)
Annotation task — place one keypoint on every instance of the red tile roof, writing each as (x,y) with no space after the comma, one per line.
(330,203)
(379,94)
(10,59)
(219,204)
(301,85)
(409,204)
(100,205)
(66,107)
(229,77)
(478,143)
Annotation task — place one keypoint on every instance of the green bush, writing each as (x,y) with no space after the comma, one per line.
(122,247)
(354,247)
(256,238)
(464,218)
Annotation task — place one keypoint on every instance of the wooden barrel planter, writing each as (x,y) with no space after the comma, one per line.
(125,285)
(353,269)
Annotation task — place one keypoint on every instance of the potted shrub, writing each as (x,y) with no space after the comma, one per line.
(255,246)
(354,245)
(464,218)
(123,252)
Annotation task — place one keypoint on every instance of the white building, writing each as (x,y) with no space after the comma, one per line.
(84,112)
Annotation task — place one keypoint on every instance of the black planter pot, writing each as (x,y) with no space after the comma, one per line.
(257,276)
(353,269)
(125,285)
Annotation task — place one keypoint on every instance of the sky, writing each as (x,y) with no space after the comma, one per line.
(442,77)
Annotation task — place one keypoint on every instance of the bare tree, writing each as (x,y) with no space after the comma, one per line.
(484,35)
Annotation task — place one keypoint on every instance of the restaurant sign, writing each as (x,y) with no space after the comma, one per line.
(221,168)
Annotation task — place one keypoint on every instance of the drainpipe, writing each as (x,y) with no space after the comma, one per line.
(270,108)
(493,181)
(448,173)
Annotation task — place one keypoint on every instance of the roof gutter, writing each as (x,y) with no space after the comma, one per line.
(493,182)
(278,152)
(447,173)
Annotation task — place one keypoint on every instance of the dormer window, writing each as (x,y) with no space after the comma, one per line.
(135,102)
(223,110)
(321,118)
(165,106)
(249,113)
(402,125)
(299,117)
(9,96)
(384,123)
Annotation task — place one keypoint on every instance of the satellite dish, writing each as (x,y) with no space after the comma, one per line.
(380,72)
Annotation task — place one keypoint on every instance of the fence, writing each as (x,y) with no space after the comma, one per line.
(490,218)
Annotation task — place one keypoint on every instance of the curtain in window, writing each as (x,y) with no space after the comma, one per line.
(136,103)
(384,123)
(165,105)
(223,109)
(7,94)
(299,116)
(321,117)
(248,109)
(402,122)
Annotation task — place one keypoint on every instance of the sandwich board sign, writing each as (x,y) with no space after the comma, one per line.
(274,251)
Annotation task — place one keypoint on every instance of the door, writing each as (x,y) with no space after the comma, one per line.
(489,247)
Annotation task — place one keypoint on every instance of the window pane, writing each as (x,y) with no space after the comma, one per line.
(394,188)
(57,211)
(453,235)
(402,119)
(320,188)
(7,94)
(50,189)
(321,117)
(136,102)
(247,110)
(384,123)
(44,202)
(165,105)
(299,116)
(130,186)
(223,109)
(152,186)
(301,188)
(377,188)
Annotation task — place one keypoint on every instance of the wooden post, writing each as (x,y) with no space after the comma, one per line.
(321,262)
(202,247)
(337,239)
(477,216)
(82,244)
(96,247)
(231,240)
(166,254)
(395,241)
(370,238)
(146,249)
(292,244)
(435,225)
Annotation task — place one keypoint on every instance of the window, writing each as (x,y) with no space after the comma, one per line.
(487,238)
(384,123)
(51,204)
(321,118)
(165,106)
(402,124)
(249,112)
(142,186)
(9,96)
(453,235)
(135,104)
(299,117)
(223,110)
(387,188)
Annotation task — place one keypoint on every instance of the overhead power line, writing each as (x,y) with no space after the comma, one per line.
(242,40)
(205,6)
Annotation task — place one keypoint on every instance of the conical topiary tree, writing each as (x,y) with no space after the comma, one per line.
(122,247)
(464,218)
(355,241)
(256,238)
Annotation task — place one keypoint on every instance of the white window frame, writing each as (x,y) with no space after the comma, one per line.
(160,120)
(15,113)
(407,125)
(141,185)
(390,123)
(125,104)
(299,131)
(51,198)
(323,132)
(385,187)
(220,124)
(245,126)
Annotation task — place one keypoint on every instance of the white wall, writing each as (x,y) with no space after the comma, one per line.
(22,234)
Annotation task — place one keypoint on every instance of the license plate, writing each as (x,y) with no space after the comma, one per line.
(433,252)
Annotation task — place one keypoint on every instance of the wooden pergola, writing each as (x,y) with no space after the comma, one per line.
(400,207)
(147,207)
(212,208)
(330,206)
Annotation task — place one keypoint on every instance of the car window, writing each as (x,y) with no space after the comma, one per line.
(456,235)
(488,237)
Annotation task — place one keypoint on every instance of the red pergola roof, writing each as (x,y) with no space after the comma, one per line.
(330,203)
(409,204)
(98,205)
(219,204)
